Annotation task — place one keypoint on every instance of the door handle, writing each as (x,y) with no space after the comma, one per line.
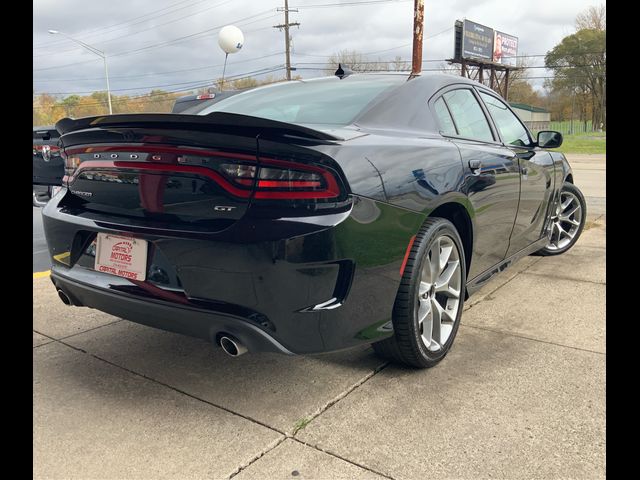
(475,166)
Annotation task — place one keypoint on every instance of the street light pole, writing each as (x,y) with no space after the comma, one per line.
(100,53)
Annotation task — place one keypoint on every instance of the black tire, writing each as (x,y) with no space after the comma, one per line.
(406,345)
(549,249)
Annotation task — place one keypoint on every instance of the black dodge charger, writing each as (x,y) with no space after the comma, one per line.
(309,216)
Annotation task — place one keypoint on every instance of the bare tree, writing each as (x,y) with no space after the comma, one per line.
(594,18)
(350,58)
(358,62)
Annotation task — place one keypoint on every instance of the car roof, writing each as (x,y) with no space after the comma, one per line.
(399,109)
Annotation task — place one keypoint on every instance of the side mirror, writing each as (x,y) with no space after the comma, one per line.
(549,139)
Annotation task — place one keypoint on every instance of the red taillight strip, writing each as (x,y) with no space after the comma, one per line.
(406,255)
(161,167)
(278,183)
(287,184)
(332,189)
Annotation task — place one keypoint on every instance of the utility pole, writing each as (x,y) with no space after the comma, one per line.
(287,38)
(418,30)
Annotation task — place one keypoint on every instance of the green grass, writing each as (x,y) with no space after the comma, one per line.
(300,424)
(592,142)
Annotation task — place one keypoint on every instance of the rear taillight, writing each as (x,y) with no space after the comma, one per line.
(71,163)
(283,180)
(238,174)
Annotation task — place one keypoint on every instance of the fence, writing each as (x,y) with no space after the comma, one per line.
(579,127)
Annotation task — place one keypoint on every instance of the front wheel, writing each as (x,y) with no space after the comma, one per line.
(567,221)
(429,302)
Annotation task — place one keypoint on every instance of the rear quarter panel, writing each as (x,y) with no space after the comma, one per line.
(395,183)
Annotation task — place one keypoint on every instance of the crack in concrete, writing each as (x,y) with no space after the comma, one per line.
(151,379)
(328,452)
(561,277)
(78,333)
(284,436)
(51,339)
(340,396)
(257,457)
(524,337)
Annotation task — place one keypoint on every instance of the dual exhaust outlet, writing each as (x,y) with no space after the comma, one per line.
(229,344)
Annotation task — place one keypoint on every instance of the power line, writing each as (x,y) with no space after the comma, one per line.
(142,30)
(94,31)
(160,73)
(349,4)
(167,42)
(255,72)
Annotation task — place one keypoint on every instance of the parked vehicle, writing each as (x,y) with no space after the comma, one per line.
(48,165)
(195,103)
(309,216)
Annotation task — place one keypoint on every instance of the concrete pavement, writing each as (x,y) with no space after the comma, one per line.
(521,395)
(590,174)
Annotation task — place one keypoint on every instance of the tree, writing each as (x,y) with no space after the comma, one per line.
(593,18)
(358,62)
(520,90)
(579,62)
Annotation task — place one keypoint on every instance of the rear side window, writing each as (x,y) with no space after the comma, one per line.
(510,128)
(468,115)
(444,117)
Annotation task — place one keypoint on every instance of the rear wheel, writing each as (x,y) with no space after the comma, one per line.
(428,306)
(567,221)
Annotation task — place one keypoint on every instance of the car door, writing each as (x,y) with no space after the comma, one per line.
(536,173)
(491,181)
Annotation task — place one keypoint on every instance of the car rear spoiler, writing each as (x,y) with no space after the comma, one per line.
(233,123)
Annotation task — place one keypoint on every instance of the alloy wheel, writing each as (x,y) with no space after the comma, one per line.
(439,293)
(566,221)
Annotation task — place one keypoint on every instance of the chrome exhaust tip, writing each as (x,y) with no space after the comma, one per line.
(232,346)
(64,297)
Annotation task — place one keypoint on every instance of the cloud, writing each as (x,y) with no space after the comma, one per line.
(120,27)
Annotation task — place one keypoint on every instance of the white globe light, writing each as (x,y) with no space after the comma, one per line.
(230,39)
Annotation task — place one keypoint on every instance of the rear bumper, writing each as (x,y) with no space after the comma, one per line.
(307,285)
(200,323)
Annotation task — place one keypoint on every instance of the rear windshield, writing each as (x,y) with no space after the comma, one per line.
(327,101)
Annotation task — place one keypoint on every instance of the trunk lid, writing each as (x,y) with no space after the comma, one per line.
(180,172)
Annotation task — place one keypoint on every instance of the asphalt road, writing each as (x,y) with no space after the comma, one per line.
(41,260)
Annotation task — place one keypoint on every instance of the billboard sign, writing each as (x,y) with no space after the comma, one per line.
(505,49)
(477,41)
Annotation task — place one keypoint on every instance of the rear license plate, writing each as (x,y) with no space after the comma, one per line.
(122,256)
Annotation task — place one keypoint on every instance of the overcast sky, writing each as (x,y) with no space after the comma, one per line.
(172,44)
